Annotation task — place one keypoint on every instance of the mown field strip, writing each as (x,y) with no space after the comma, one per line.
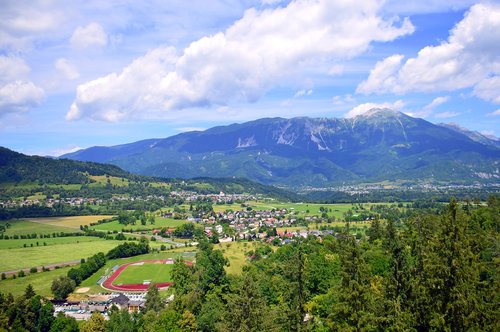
(11,259)
(70,222)
(20,243)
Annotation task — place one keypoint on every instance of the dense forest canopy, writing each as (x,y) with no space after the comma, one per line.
(16,167)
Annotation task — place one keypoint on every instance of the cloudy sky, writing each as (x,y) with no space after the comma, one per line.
(74,74)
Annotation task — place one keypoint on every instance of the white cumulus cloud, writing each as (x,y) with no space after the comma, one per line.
(446,115)
(90,35)
(495,113)
(12,68)
(363,108)
(302,93)
(67,69)
(470,58)
(429,108)
(22,22)
(436,102)
(19,96)
(17,93)
(256,53)
(489,88)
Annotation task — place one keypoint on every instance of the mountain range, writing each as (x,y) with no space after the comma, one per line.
(379,145)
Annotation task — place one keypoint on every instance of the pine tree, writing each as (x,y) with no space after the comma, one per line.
(210,265)
(459,271)
(29,292)
(153,299)
(188,322)
(45,317)
(120,321)
(246,309)
(354,308)
(63,323)
(182,276)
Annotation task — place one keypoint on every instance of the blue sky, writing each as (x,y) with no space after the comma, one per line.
(84,73)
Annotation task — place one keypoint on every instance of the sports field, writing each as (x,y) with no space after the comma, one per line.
(142,277)
(153,272)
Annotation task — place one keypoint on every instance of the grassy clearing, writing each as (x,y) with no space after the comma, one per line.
(10,244)
(38,195)
(103,180)
(70,222)
(235,253)
(25,227)
(41,282)
(361,224)
(160,222)
(13,259)
(291,229)
(165,185)
(154,272)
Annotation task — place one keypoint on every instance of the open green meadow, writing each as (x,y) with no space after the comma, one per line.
(50,225)
(160,222)
(40,281)
(137,274)
(17,258)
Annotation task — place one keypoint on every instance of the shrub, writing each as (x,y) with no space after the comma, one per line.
(62,287)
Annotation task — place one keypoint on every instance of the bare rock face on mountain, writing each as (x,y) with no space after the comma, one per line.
(380,144)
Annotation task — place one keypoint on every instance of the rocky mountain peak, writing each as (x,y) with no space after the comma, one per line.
(380,112)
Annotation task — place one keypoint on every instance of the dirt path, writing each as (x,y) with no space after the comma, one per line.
(39,268)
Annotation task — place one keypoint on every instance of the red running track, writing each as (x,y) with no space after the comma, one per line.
(108,283)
